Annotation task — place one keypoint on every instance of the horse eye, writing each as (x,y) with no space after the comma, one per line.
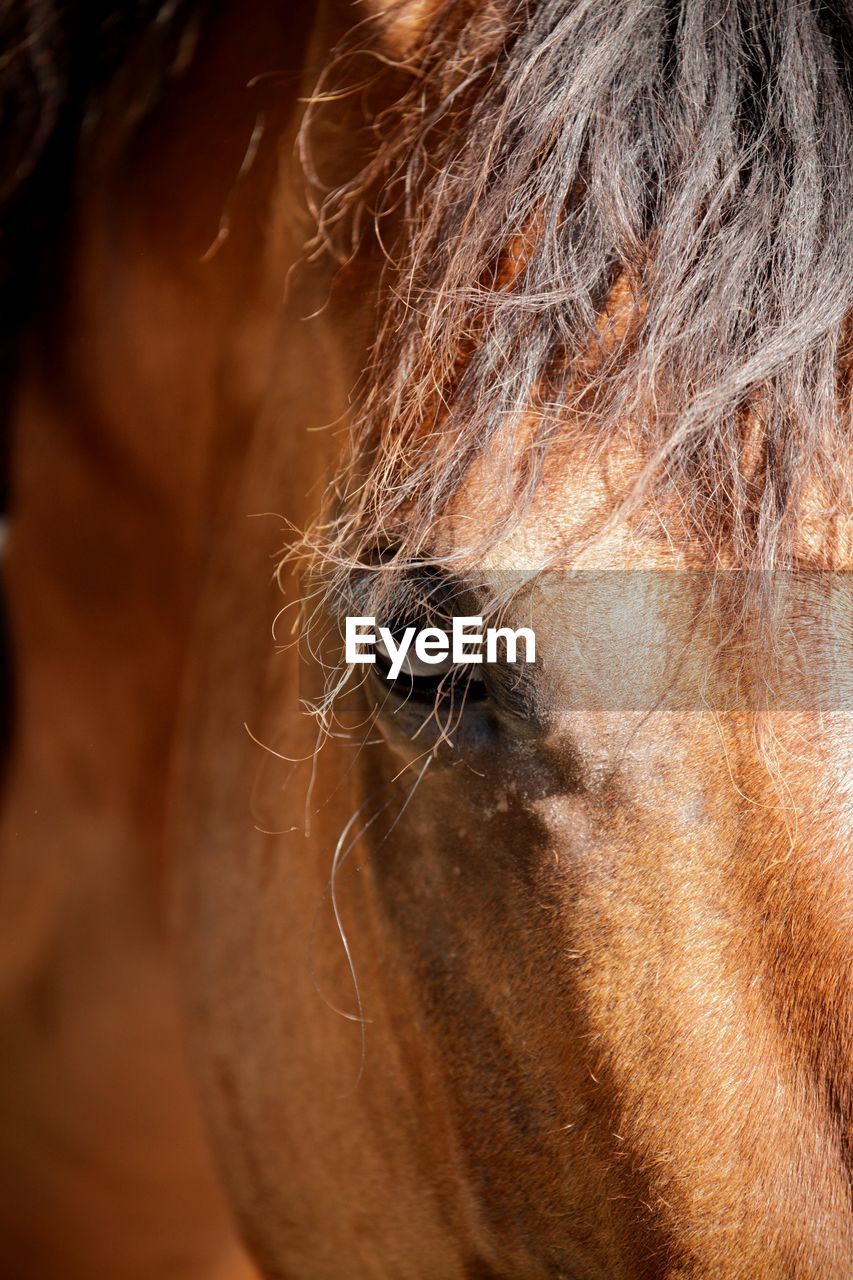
(412,665)
(425,681)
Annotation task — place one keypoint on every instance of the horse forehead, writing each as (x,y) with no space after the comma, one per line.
(573,519)
(569,522)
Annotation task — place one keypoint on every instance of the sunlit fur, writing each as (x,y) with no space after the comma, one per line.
(552,986)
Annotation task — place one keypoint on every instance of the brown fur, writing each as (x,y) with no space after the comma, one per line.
(558,994)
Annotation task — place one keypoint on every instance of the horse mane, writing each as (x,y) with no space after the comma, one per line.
(536,152)
(696,150)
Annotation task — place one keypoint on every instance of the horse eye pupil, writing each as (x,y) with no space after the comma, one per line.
(423,680)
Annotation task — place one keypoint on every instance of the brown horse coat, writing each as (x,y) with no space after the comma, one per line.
(561,992)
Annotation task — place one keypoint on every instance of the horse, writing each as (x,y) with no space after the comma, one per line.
(534,311)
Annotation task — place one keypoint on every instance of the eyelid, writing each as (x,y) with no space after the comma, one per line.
(412,665)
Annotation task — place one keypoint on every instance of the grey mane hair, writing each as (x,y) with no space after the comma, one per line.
(698,150)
